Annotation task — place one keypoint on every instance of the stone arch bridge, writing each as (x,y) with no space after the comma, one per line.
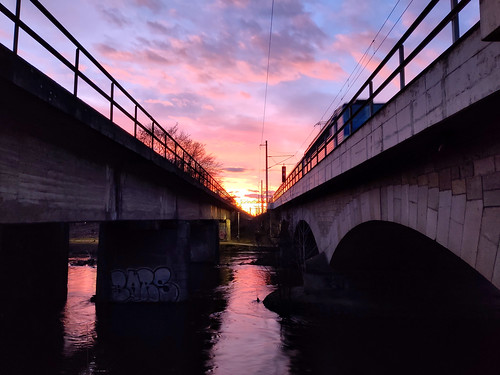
(429,160)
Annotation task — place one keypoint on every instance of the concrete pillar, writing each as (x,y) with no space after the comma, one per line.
(225,229)
(204,241)
(204,253)
(34,263)
(319,276)
(490,20)
(143,261)
(228,230)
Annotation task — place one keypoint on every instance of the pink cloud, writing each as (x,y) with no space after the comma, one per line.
(347,42)
(324,70)
(154,5)
(114,54)
(129,75)
(165,103)
(232,3)
(5,35)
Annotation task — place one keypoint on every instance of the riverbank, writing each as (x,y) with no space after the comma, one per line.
(84,239)
(357,305)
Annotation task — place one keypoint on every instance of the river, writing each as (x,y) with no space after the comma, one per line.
(225,329)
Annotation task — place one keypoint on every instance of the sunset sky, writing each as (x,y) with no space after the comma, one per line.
(203,64)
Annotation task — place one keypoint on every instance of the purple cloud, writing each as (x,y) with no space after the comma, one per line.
(235,169)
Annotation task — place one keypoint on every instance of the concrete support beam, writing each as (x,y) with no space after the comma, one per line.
(34,262)
(490,19)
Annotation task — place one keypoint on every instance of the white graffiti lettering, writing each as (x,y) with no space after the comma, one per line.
(143,285)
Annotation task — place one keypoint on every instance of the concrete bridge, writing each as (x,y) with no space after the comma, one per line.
(63,161)
(427,162)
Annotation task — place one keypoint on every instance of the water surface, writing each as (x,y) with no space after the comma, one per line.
(226,329)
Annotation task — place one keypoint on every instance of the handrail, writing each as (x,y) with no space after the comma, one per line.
(310,160)
(158,136)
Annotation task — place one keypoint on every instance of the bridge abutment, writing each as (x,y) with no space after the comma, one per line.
(149,261)
(34,259)
(204,241)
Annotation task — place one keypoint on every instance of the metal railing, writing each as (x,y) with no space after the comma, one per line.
(153,135)
(311,159)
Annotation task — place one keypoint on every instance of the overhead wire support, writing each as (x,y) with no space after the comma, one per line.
(265,96)
(267,70)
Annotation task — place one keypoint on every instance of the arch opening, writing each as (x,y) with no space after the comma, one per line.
(294,251)
(304,243)
(392,265)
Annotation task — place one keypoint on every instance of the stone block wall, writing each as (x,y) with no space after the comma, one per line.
(448,190)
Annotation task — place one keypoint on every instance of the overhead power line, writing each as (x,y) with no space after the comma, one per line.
(358,64)
(380,44)
(359,68)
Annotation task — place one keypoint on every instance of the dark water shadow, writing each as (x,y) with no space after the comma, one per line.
(392,346)
(31,339)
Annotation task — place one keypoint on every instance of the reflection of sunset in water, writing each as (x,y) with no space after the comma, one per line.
(79,314)
(249,338)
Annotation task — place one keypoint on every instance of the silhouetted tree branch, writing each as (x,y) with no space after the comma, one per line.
(195,149)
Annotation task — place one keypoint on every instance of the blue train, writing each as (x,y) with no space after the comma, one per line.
(337,121)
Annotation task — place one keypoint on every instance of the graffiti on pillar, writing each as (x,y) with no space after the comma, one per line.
(143,285)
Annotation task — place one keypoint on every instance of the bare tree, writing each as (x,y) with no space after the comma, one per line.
(163,144)
(196,150)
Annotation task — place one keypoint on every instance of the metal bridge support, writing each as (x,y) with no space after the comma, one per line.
(149,261)
(34,262)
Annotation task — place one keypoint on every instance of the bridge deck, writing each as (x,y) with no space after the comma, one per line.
(465,74)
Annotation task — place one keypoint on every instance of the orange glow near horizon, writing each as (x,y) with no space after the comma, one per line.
(250,199)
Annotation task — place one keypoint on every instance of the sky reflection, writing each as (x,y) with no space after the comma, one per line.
(249,341)
(79,313)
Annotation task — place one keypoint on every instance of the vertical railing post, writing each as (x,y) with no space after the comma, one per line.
(77,69)
(402,72)
(349,125)
(111,101)
(455,29)
(165,145)
(336,137)
(135,122)
(15,43)
(370,93)
(152,135)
